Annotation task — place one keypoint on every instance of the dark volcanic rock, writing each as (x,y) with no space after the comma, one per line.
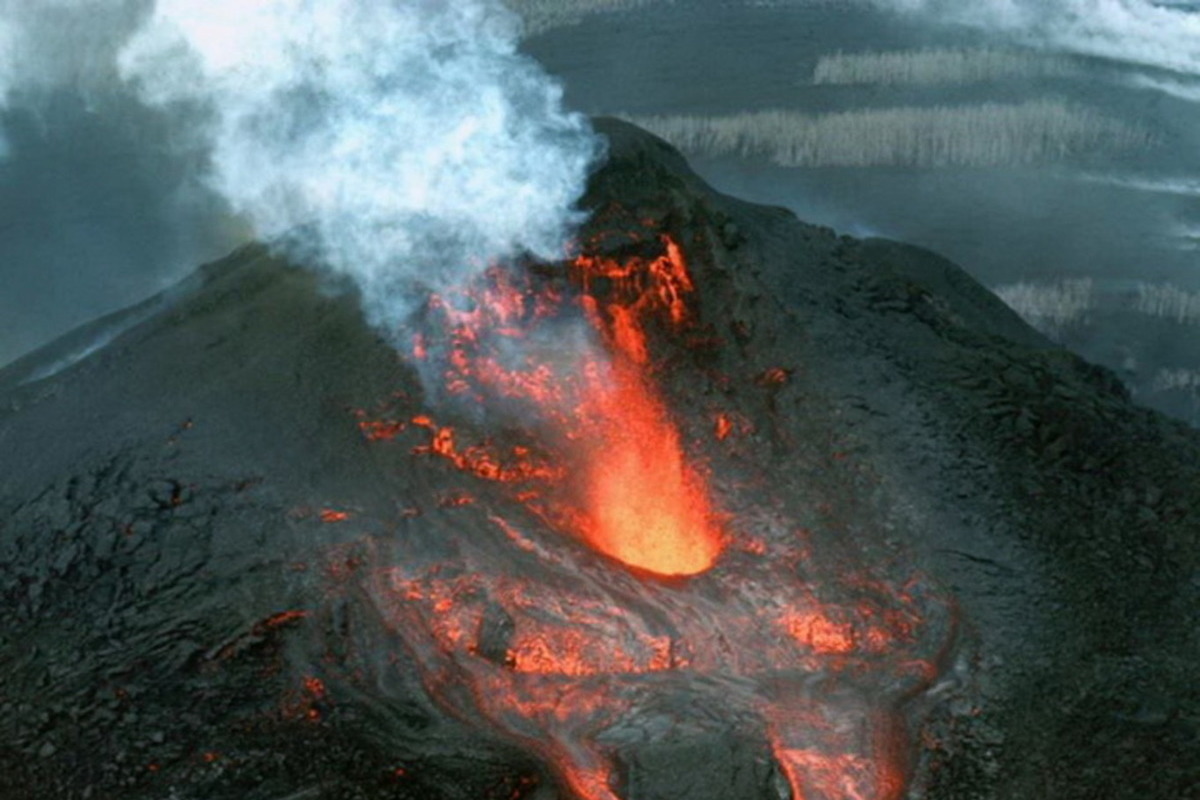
(185,620)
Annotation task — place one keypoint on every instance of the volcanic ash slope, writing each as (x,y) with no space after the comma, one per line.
(190,519)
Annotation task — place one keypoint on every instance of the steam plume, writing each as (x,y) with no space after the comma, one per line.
(400,142)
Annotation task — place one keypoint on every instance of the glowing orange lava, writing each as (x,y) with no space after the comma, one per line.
(552,645)
(819,632)
(813,774)
(639,501)
(645,506)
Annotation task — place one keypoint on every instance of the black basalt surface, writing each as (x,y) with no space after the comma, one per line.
(180,622)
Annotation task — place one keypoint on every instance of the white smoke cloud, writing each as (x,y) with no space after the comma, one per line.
(400,142)
(1136,31)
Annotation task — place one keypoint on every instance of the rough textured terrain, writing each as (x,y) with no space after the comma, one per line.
(183,620)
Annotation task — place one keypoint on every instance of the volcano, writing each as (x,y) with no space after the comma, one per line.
(722,505)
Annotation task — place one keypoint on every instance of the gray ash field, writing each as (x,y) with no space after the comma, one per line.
(203,525)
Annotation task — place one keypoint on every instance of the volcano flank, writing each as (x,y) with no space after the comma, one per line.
(723,505)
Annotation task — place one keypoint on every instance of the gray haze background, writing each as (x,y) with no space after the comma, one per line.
(1082,209)
(1050,147)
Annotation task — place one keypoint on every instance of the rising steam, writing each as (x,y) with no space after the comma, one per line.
(400,142)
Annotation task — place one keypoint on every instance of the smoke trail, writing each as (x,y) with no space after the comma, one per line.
(1136,31)
(1181,186)
(1187,90)
(932,66)
(983,135)
(400,142)
(1050,307)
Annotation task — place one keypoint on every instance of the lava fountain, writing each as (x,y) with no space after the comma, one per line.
(588,585)
(636,498)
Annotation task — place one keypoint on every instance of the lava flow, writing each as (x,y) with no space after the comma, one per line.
(514,619)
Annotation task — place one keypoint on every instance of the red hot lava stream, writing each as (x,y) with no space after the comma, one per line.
(568,653)
(637,498)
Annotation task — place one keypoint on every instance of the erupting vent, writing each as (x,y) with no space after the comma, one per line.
(626,488)
(691,619)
